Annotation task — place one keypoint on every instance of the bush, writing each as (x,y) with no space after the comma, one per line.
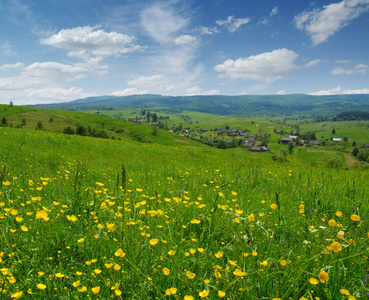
(68,130)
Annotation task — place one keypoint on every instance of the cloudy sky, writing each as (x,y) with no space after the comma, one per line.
(57,51)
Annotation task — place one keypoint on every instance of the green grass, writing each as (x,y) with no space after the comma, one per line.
(236,223)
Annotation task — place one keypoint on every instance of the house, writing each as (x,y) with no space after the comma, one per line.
(233,132)
(286,140)
(336,139)
(299,143)
(203,130)
(137,120)
(293,137)
(314,143)
(248,144)
(259,148)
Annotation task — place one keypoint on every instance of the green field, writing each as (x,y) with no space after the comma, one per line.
(92,218)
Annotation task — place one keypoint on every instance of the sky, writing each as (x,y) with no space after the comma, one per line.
(57,51)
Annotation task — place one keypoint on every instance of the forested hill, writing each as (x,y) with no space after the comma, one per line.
(243,105)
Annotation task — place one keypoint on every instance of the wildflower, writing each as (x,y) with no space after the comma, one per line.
(303,298)
(117,292)
(76,283)
(153,242)
(95,289)
(24,228)
(166,271)
(188,298)
(251,218)
(119,253)
(82,289)
(171,291)
(171,252)
(355,218)
(195,221)
(59,275)
(273,206)
(221,294)
(313,281)
(41,286)
(72,218)
(341,235)
(254,253)
(264,263)
(332,223)
(97,271)
(116,267)
(339,214)
(108,266)
(351,298)
(283,263)
(16,295)
(81,240)
(336,247)
(204,294)
(219,254)
(344,292)
(190,275)
(239,273)
(323,276)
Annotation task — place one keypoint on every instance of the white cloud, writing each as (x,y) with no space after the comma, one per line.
(84,42)
(6,48)
(265,67)
(281,92)
(207,30)
(274,11)
(320,24)
(162,23)
(146,81)
(185,40)
(196,91)
(7,67)
(130,91)
(339,90)
(358,69)
(313,63)
(343,61)
(233,24)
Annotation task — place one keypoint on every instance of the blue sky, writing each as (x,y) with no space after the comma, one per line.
(57,51)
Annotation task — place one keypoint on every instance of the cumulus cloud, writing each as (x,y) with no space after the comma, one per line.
(313,63)
(207,30)
(84,42)
(339,90)
(185,40)
(281,92)
(15,66)
(196,91)
(130,91)
(358,69)
(320,24)
(232,23)
(265,67)
(274,11)
(343,61)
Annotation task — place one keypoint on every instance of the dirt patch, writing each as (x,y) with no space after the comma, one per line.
(257,125)
(321,151)
(350,161)
(271,126)
(180,141)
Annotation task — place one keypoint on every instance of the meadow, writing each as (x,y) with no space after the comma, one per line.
(85,218)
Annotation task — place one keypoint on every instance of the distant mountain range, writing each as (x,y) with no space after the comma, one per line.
(243,105)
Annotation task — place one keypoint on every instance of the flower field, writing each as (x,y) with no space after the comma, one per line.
(92,219)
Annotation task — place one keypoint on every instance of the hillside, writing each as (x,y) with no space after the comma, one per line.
(243,105)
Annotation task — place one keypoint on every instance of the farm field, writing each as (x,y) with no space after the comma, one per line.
(87,218)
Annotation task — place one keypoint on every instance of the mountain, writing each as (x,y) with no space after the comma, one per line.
(242,105)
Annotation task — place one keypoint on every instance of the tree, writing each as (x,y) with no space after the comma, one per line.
(154,130)
(355,151)
(154,117)
(39,126)
(345,138)
(222,144)
(334,131)
(11,103)
(24,121)
(353,144)
(4,122)
(290,147)
(68,130)
(81,130)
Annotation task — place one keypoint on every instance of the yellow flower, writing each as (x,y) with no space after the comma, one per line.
(283,263)
(171,252)
(188,298)
(273,206)
(81,240)
(204,294)
(323,276)
(72,218)
(254,253)
(351,298)
(206,281)
(355,218)
(97,271)
(116,267)
(264,263)
(153,242)
(16,295)
(76,283)
(239,273)
(117,292)
(344,292)
(190,275)
(219,254)
(303,298)
(82,289)
(221,294)
(339,214)
(332,223)
(171,291)
(24,228)
(195,221)
(341,235)
(314,281)
(166,271)
(336,247)
(119,253)
(251,218)
(41,286)
(19,219)
(59,275)
(95,289)
(108,266)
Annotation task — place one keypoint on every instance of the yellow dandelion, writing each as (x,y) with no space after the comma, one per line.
(41,286)
(332,223)
(313,281)
(153,242)
(355,218)
(219,254)
(221,294)
(119,253)
(273,206)
(204,293)
(95,289)
(166,271)
(323,276)
(283,263)
(344,292)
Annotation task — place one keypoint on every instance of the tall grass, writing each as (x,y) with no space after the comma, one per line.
(174,223)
